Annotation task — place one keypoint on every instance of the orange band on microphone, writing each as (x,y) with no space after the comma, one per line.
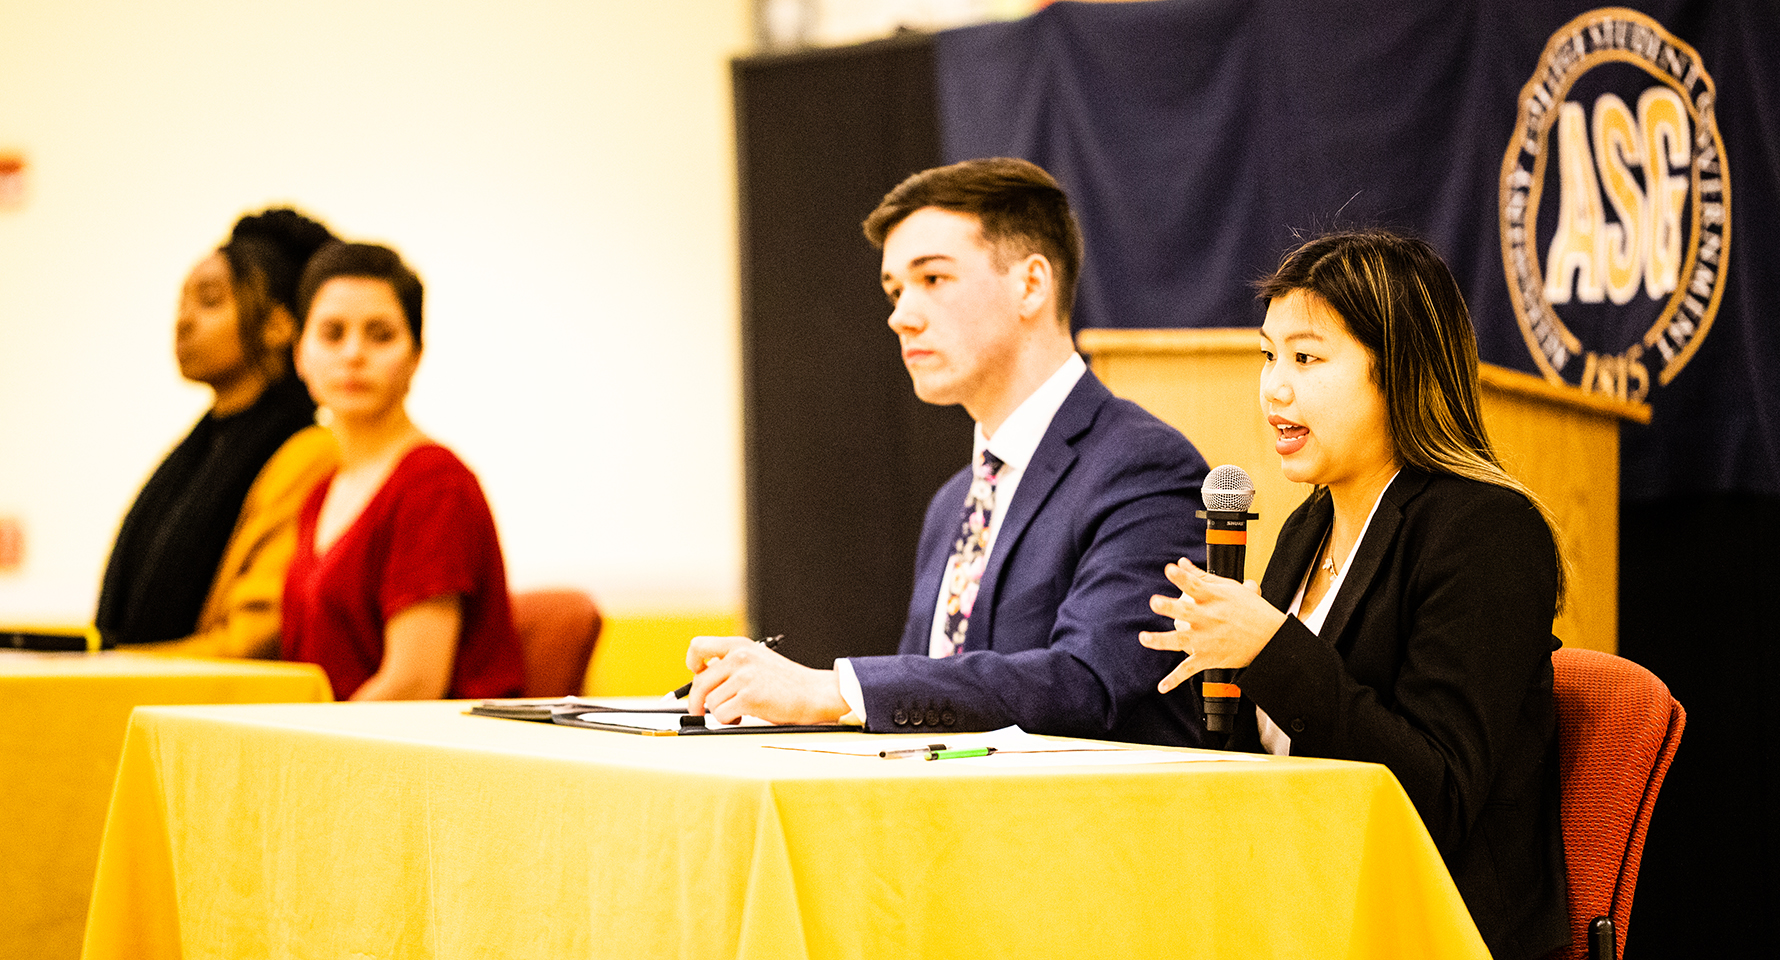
(1230,690)
(1226,536)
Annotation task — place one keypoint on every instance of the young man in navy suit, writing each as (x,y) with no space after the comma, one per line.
(1037,562)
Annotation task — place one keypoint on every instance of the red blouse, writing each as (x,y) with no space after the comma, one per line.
(426,533)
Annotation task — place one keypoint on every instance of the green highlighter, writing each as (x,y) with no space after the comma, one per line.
(960,754)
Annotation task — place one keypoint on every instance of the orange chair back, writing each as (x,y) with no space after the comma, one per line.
(557,630)
(1618,728)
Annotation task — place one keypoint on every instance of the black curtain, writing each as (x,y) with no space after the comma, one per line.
(841,458)
(1694,578)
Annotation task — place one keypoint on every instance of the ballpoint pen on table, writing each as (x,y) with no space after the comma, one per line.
(911,752)
(769,643)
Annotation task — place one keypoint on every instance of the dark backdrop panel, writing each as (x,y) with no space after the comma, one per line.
(841,458)
(1695,581)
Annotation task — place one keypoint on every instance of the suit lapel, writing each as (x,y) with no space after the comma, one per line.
(1298,542)
(1292,553)
(930,565)
(1051,462)
(1378,539)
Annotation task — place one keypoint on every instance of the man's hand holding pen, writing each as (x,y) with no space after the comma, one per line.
(685,689)
(735,677)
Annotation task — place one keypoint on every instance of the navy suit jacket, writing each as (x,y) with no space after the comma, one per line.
(1107,501)
(1435,660)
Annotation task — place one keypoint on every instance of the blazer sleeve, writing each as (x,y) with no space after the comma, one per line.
(1436,673)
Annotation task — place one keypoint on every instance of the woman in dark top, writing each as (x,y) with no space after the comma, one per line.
(234,334)
(1405,616)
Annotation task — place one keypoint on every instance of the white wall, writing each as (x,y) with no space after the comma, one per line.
(793,23)
(560,172)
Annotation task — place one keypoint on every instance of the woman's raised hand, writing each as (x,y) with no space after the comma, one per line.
(1218,623)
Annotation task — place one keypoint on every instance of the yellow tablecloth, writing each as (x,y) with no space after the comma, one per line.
(414,831)
(62,723)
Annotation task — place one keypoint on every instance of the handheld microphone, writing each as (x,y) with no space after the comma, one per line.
(1227,493)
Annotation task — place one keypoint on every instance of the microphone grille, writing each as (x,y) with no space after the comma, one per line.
(1228,489)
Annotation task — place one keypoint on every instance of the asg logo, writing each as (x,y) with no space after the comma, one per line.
(1622,271)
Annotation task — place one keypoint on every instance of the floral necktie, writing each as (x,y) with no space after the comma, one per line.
(970,553)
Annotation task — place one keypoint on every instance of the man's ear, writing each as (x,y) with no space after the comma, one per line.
(1038,284)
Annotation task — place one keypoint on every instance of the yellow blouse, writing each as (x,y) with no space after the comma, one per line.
(241,615)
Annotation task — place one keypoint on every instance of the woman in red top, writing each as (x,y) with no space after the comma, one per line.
(397,589)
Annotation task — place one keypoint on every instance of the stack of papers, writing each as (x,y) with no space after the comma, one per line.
(679,723)
(544,709)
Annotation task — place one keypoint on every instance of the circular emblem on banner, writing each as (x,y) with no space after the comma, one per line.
(1615,205)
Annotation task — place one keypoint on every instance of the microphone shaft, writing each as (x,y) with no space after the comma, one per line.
(1226,553)
(1226,559)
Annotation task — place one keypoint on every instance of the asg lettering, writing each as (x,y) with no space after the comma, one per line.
(1600,159)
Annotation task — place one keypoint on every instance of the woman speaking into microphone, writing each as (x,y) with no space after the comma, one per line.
(1405,617)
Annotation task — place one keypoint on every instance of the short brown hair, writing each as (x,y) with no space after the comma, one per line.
(367,260)
(1021,208)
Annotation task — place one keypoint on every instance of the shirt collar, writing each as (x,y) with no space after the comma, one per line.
(1020,433)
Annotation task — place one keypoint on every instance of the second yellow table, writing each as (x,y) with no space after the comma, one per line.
(62,723)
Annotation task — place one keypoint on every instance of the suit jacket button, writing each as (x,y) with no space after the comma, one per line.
(1297,724)
(901,718)
(947,718)
(915,718)
(932,717)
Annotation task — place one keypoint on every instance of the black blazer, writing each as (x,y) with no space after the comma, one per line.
(1435,660)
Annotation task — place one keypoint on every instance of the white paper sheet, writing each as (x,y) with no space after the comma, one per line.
(1014,747)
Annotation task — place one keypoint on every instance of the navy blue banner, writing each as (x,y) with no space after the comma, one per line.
(1604,181)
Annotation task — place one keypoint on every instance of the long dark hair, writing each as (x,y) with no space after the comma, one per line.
(266,254)
(1399,300)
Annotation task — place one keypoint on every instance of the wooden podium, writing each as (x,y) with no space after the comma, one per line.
(1560,441)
